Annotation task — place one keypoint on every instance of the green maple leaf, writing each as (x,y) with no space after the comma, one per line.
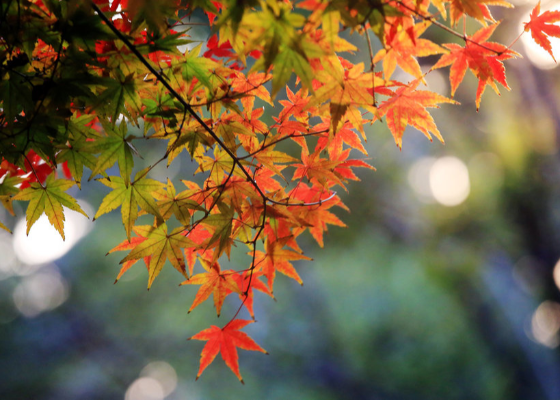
(180,205)
(49,199)
(77,153)
(129,197)
(120,91)
(221,224)
(194,66)
(114,147)
(160,246)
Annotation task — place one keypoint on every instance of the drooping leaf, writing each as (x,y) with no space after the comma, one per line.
(483,58)
(49,199)
(129,197)
(225,341)
(161,246)
(408,107)
(214,281)
(541,26)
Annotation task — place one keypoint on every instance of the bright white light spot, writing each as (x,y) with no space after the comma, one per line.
(44,244)
(545,324)
(419,178)
(40,292)
(556,274)
(449,181)
(536,54)
(145,389)
(8,259)
(163,373)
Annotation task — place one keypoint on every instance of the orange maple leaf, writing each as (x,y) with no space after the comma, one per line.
(316,217)
(216,282)
(142,232)
(478,9)
(225,341)
(541,27)
(403,48)
(251,86)
(247,283)
(317,169)
(276,258)
(408,107)
(483,58)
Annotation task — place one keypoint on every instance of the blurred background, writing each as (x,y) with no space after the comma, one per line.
(445,285)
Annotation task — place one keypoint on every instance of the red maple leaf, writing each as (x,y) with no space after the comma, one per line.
(483,58)
(276,258)
(247,283)
(541,27)
(214,281)
(225,341)
(408,107)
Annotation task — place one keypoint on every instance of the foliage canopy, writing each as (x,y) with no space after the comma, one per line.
(76,74)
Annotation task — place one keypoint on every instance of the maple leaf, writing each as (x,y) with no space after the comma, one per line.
(478,9)
(483,58)
(129,197)
(345,89)
(403,49)
(153,13)
(225,341)
(181,205)
(115,147)
(252,86)
(316,217)
(247,282)
(317,169)
(161,246)
(407,106)
(78,153)
(276,258)
(220,224)
(198,235)
(541,27)
(142,232)
(48,199)
(214,281)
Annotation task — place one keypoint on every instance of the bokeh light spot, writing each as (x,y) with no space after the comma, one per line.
(545,324)
(419,178)
(44,244)
(40,292)
(556,274)
(163,373)
(449,181)
(145,388)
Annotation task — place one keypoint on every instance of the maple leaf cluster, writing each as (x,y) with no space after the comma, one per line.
(76,74)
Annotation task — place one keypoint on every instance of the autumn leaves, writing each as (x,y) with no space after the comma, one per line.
(267,165)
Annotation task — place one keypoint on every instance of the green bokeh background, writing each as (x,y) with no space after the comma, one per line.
(412,300)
